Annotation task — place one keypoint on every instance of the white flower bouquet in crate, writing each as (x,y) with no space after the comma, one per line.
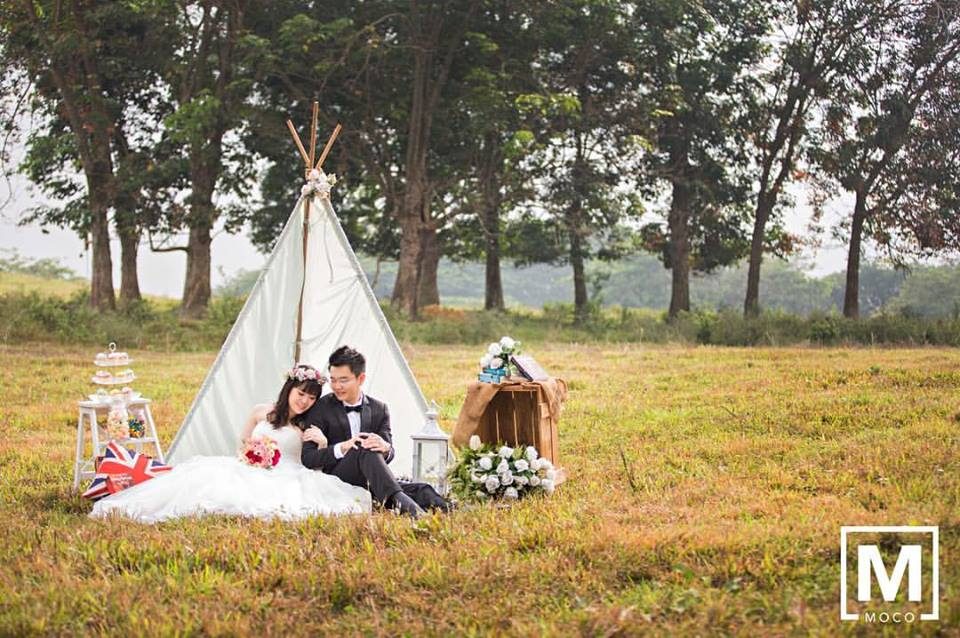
(486,471)
(495,363)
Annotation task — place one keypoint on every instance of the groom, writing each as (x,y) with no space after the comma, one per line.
(357,429)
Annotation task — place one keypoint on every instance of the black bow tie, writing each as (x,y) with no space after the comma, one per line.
(352,408)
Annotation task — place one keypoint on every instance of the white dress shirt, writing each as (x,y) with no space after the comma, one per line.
(354,419)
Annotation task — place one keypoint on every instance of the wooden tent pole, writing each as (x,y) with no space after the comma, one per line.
(328,146)
(308,160)
(303,284)
(313,135)
(296,140)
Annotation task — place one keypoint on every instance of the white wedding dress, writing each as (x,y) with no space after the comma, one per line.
(227,485)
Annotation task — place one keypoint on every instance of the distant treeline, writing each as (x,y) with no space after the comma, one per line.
(641,282)
(919,309)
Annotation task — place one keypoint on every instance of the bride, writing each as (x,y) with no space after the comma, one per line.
(227,485)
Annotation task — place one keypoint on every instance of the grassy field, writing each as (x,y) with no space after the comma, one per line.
(15,282)
(721,516)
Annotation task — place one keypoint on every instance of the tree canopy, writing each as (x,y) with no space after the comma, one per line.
(561,132)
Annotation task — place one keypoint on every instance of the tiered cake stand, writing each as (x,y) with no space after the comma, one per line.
(94,411)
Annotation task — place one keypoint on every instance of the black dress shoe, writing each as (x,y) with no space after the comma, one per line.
(406,505)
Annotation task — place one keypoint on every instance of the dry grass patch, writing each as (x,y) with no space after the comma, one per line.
(707,490)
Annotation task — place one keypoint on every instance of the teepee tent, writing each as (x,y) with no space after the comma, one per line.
(311,285)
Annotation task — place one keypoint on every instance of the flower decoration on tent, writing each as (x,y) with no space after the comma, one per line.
(318,183)
(486,471)
(260,451)
(496,359)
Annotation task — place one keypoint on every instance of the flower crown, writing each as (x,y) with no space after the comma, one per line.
(301,373)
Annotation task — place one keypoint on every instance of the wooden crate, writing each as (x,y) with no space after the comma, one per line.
(515,416)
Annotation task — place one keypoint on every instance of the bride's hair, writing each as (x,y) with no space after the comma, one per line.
(303,377)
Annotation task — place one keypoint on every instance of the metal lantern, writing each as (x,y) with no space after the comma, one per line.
(431,452)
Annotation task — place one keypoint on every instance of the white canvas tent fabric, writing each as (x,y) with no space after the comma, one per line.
(338,308)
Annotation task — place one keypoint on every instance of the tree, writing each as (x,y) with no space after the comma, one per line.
(873,122)
(699,73)
(391,71)
(311,59)
(494,140)
(918,211)
(435,33)
(813,53)
(210,77)
(90,65)
(583,118)
(929,292)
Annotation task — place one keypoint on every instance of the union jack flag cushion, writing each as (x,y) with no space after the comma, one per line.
(121,468)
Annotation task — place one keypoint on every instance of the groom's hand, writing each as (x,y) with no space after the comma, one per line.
(373,442)
(349,444)
(313,433)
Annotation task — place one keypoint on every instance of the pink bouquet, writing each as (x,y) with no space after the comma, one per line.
(260,451)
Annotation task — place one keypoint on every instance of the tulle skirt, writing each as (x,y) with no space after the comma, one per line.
(224,485)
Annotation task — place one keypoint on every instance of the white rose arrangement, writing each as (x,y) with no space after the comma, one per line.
(498,355)
(486,471)
(319,183)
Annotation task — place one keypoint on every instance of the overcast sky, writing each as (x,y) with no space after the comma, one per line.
(163,273)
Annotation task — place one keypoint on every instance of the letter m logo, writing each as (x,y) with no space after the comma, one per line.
(869,559)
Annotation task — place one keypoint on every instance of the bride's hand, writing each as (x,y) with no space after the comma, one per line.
(313,433)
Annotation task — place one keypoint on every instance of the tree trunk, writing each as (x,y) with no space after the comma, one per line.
(751,303)
(678,220)
(493,286)
(577,260)
(196,289)
(851,294)
(578,234)
(679,247)
(780,153)
(407,285)
(580,300)
(129,248)
(98,170)
(101,277)
(414,205)
(204,169)
(490,177)
(429,292)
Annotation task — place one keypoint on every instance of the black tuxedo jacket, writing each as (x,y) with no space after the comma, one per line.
(328,415)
